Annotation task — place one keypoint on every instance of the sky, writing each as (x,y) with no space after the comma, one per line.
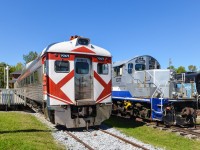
(164,29)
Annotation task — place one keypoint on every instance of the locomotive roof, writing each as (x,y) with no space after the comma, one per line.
(119,63)
(71,46)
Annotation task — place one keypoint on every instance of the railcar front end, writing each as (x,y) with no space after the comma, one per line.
(76,83)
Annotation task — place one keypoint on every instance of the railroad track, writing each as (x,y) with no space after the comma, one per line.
(195,132)
(191,132)
(126,141)
(79,140)
(87,146)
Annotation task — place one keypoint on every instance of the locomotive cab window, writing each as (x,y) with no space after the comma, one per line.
(61,66)
(139,67)
(130,68)
(82,67)
(118,71)
(102,68)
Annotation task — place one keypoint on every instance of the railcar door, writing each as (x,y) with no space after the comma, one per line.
(83,79)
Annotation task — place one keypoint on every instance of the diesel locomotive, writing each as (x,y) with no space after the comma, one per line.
(141,88)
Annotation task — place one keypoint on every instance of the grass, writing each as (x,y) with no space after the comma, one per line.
(158,138)
(20,131)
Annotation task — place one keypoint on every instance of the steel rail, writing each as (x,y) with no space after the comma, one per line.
(80,141)
(187,131)
(126,141)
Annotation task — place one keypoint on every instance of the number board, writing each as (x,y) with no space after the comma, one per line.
(100,58)
(64,55)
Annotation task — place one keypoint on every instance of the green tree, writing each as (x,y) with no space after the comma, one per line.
(192,68)
(30,56)
(181,69)
(2,66)
(172,67)
(19,66)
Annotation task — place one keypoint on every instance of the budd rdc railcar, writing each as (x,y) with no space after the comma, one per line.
(71,82)
(141,88)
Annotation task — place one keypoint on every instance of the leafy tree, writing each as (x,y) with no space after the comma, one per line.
(2,66)
(181,69)
(192,68)
(19,66)
(30,56)
(172,67)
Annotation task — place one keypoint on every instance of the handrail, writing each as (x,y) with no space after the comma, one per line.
(158,87)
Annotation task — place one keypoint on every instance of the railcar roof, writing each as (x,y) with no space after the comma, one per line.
(71,46)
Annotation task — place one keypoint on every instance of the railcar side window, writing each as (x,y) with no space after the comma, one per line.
(130,68)
(102,68)
(82,67)
(35,77)
(23,82)
(32,78)
(28,80)
(61,66)
(139,67)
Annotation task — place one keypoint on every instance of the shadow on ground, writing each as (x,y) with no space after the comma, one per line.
(120,122)
(26,131)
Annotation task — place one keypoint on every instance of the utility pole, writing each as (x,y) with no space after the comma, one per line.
(170,63)
(7,84)
(4,75)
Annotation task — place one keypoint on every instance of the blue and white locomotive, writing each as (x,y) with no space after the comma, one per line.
(142,89)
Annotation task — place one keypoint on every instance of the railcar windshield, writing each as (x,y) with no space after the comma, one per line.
(82,67)
(102,68)
(61,66)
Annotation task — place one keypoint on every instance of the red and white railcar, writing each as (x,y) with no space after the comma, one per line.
(72,80)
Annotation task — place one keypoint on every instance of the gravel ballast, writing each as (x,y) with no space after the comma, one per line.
(94,138)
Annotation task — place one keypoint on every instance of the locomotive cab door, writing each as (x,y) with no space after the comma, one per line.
(83,79)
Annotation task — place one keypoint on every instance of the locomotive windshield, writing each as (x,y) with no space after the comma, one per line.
(130,68)
(139,67)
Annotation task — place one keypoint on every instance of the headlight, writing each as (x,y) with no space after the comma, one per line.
(83,41)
